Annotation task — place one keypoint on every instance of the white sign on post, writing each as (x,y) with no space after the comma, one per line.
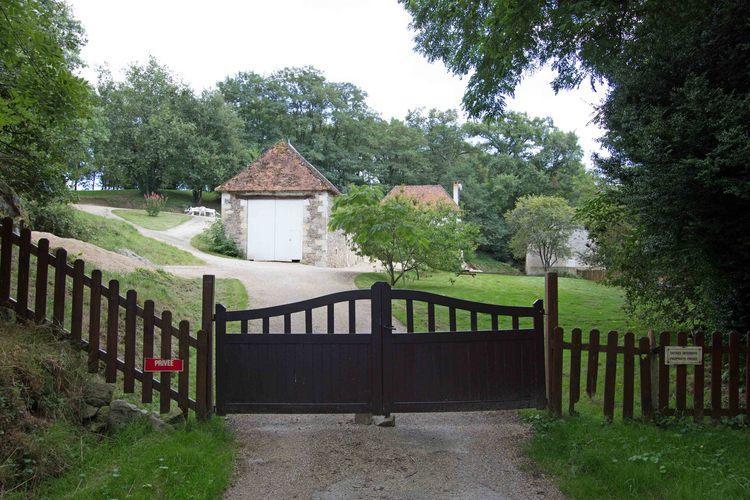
(678,355)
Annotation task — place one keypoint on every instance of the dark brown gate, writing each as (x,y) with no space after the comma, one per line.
(497,363)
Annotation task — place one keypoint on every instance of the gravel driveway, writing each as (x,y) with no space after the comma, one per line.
(434,455)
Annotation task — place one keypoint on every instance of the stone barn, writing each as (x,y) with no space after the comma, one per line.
(277,209)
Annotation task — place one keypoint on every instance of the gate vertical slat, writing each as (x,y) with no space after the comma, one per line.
(266,325)
(308,320)
(409,316)
(699,378)
(287,323)
(207,315)
(628,376)
(452,318)
(734,372)
(113,324)
(645,352)
(22,286)
(58,299)
(352,316)
(243,327)
(575,370)
(95,314)
(131,299)
(663,372)
(183,381)
(430,317)
(474,326)
(6,258)
(42,274)
(376,349)
(592,367)
(747,374)
(165,378)
(681,380)
(610,375)
(76,308)
(716,365)
(495,322)
(221,330)
(514,323)
(330,318)
(147,384)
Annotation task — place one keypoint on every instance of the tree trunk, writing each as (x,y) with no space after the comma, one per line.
(197,195)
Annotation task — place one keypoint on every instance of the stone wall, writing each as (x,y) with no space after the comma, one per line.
(315,230)
(234,216)
(340,253)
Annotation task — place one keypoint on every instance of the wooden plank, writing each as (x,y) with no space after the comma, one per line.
(265,322)
(58,300)
(200,375)
(243,327)
(628,376)
(95,312)
(575,370)
(452,318)
(183,382)
(592,368)
(42,275)
(130,324)
(681,380)
(734,371)
(76,308)
(698,378)
(610,376)
(514,320)
(147,384)
(747,375)
(646,402)
(287,323)
(409,316)
(474,326)
(113,325)
(550,317)
(556,372)
(308,320)
(165,378)
(330,318)
(352,316)
(208,300)
(430,317)
(495,322)
(663,372)
(6,259)
(24,265)
(716,365)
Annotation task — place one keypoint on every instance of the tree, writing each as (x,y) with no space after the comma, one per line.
(404,236)
(543,225)
(42,103)
(677,124)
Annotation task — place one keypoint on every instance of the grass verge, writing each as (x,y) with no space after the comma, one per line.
(115,235)
(161,222)
(485,262)
(177,199)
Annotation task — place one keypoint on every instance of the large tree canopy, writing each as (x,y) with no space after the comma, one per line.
(43,105)
(677,116)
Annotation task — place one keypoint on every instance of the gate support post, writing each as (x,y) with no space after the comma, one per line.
(550,301)
(205,349)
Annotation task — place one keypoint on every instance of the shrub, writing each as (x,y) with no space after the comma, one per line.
(154,203)
(215,239)
(58,218)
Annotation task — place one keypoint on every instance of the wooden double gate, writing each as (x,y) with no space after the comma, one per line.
(497,363)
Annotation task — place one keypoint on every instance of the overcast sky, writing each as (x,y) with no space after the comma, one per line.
(366,42)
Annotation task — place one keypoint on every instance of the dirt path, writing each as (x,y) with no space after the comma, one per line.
(448,455)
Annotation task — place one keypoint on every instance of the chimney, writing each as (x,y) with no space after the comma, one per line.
(457,187)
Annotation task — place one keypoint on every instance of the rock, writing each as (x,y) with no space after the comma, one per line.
(89,412)
(389,421)
(363,418)
(98,393)
(129,253)
(174,418)
(121,413)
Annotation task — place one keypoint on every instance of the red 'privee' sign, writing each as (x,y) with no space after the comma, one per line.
(162,365)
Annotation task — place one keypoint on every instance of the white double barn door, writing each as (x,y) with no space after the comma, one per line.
(274,229)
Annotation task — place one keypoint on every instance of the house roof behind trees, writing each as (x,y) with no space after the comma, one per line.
(433,194)
(280,168)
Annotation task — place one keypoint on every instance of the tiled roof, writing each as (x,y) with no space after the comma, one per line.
(427,194)
(279,169)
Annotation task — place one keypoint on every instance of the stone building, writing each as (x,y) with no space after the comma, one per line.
(278,209)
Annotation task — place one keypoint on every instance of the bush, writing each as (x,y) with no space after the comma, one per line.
(154,203)
(59,219)
(215,240)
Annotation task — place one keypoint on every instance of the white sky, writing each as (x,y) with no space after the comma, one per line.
(366,42)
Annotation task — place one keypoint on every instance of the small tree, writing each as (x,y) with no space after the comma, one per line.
(154,203)
(541,224)
(403,235)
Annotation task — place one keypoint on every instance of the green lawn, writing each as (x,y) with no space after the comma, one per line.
(177,200)
(112,234)
(161,222)
(588,457)
(489,264)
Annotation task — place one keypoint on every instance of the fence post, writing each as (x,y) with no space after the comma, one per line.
(556,372)
(550,301)
(654,367)
(6,255)
(205,342)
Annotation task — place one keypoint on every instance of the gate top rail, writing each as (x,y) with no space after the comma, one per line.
(467,305)
(300,306)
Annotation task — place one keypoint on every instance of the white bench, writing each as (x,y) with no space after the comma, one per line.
(201,211)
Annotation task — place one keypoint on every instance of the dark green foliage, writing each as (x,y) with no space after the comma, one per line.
(677,116)
(43,105)
(57,218)
(215,240)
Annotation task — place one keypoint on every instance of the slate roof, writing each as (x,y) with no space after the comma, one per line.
(279,169)
(427,194)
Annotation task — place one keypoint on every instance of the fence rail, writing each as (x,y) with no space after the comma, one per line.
(665,389)
(109,334)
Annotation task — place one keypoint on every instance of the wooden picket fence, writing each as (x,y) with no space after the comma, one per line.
(663,389)
(104,349)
